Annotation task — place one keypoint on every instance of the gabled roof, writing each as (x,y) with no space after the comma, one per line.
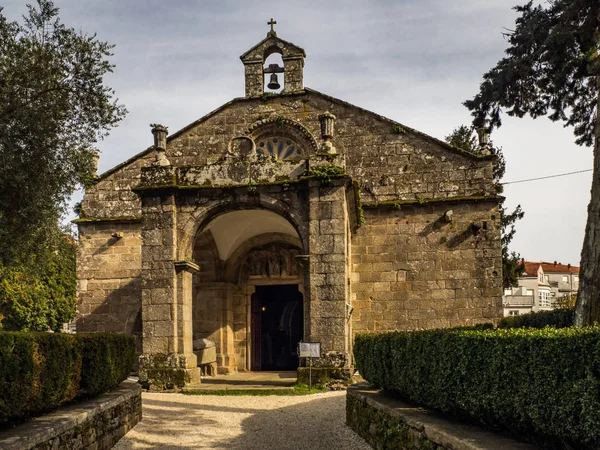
(178,133)
(412,130)
(531,268)
(274,39)
(558,267)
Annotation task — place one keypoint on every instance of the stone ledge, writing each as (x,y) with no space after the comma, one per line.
(97,423)
(93,220)
(398,204)
(419,428)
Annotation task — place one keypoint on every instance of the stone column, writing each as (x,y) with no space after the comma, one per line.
(328,265)
(183,319)
(218,301)
(255,81)
(167,360)
(294,67)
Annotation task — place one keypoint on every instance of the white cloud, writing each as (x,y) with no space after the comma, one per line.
(413,61)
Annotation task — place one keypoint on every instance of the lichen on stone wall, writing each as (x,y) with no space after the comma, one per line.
(324,173)
(384,431)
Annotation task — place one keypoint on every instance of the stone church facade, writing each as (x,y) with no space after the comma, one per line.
(285,217)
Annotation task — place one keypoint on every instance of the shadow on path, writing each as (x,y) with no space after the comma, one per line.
(177,422)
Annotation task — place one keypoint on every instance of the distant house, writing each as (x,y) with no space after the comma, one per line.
(540,286)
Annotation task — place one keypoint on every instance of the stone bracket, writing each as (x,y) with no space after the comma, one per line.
(302,259)
(188,266)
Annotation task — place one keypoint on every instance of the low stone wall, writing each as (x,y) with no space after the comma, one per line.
(387,423)
(92,424)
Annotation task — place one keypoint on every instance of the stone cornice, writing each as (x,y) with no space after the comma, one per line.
(397,204)
(85,220)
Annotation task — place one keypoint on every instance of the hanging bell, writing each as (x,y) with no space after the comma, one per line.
(273,82)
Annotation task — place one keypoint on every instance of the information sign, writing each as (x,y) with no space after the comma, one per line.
(309,350)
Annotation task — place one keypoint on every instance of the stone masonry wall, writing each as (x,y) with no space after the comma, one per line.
(413,279)
(391,423)
(391,163)
(112,196)
(97,423)
(240,326)
(108,277)
(411,269)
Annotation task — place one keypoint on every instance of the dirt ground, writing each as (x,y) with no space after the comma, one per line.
(176,421)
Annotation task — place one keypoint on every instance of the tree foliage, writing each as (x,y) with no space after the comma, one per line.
(547,70)
(54,108)
(463,137)
(552,68)
(39,294)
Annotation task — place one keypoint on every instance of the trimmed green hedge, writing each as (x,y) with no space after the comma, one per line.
(544,382)
(41,371)
(558,318)
(107,360)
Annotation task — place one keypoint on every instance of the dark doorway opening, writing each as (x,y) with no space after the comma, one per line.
(277,327)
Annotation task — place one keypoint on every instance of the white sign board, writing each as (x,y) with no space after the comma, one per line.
(309,349)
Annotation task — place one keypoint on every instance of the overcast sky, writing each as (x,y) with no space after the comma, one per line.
(413,61)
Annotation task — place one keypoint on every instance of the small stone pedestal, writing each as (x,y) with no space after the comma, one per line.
(332,367)
(159,371)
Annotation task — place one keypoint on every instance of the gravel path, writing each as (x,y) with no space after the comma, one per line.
(176,421)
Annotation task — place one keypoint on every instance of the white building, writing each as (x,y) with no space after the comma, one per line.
(540,286)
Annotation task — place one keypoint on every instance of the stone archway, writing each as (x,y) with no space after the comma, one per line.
(315,214)
(236,252)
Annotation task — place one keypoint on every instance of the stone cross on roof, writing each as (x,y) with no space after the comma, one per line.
(272,23)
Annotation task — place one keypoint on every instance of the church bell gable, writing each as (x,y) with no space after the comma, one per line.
(254,60)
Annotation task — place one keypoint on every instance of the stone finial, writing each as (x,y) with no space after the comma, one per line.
(160,143)
(160,136)
(484,141)
(95,160)
(327,129)
(272,31)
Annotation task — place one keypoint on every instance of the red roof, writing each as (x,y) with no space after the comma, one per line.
(531,268)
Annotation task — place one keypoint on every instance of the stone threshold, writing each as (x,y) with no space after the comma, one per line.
(247,381)
(96,423)
(421,426)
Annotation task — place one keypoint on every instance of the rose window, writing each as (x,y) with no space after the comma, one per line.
(279,147)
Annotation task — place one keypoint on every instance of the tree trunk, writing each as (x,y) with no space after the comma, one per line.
(587,308)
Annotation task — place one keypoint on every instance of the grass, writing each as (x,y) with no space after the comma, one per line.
(300,389)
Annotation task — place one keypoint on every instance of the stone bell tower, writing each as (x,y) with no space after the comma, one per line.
(293,64)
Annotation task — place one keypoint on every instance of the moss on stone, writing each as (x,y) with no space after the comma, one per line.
(166,378)
(398,129)
(383,431)
(320,376)
(324,173)
(331,157)
(108,219)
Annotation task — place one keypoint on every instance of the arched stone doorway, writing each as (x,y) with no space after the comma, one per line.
(248,295)
(200,247)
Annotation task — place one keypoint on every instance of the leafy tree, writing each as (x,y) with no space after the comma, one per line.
(566,301)
(54,108)
(552,68)
(464,137)
(39,294)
